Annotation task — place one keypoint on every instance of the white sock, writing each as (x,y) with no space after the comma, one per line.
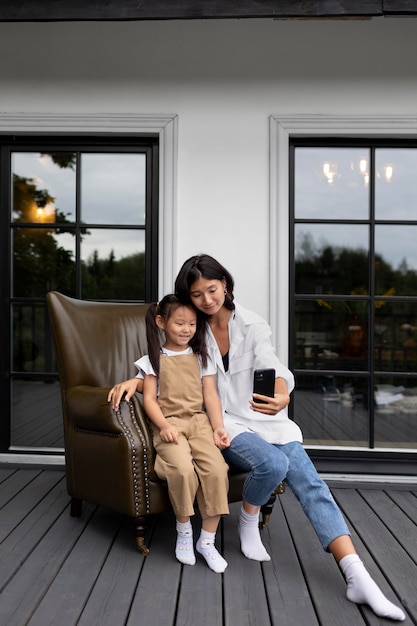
(362,589)
(250,539)
(205,546)
(184,550)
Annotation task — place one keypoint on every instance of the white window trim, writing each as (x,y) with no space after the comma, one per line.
(165,126)
(281,129)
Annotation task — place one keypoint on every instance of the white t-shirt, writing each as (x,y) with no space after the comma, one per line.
(145,368)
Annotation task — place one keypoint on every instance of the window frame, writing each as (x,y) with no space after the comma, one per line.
(32,129)
(284,129)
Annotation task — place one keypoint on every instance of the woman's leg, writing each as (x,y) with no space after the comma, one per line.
(330,526)
(266,466)
(314,495)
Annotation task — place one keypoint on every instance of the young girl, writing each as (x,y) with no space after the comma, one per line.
(179,383)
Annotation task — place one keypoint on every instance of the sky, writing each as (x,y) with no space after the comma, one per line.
(332,184)
(113,188)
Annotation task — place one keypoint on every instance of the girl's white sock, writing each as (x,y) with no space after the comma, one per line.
(362,589)
(250,539)
(205,546)
(184,550)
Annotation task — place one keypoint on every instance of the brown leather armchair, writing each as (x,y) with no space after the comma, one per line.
(109,455)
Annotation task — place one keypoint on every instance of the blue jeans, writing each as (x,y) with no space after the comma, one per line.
(269,464)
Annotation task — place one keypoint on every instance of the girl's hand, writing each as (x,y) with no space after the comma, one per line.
(221,438)
(128,386)
(169,434)
(272,406)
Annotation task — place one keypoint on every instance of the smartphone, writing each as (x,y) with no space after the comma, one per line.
(264,383)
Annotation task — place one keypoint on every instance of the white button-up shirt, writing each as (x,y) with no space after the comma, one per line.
(250,349)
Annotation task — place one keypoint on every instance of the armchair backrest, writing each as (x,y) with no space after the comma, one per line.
(96,342)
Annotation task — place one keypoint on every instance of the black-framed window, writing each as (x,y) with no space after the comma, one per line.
(353,291)
(79,215)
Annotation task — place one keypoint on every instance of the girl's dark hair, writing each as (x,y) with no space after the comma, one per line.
(203,266)
(165,308)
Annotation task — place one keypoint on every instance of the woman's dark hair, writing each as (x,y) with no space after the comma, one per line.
(203,266)
(165,308)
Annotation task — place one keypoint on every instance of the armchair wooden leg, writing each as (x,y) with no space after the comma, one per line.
(76,507)
(139,527)
(267,508)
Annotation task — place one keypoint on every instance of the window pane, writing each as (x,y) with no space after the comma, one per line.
(31,348)
(43,187)
(113,264)
(331,334)
(36,420)
(43,259)
(396,184)
(332,410)
(331,183)
(396,259)
(395,336)
(331,258)
(113,188)
(396,412)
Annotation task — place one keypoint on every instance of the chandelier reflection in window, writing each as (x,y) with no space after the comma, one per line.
(330,171)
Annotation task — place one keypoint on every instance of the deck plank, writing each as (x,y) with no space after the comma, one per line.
(86,571)
(22,594)
(323,577)
(20,532)
(110,599)
(288,596)
(14,483)
(245,600)
(387,562)
(160,578)
(70,589)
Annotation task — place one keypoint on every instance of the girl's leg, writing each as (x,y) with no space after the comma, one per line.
(184,550)
(212,499)
(327,520)
(205,545)
(174,464)
(267,466)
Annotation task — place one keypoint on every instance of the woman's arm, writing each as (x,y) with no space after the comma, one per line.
(214,411)
(168,433)
(276,404)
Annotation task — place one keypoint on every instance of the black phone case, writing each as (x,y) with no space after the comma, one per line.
(264,383)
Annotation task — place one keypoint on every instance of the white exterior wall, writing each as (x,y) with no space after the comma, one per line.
(223,79)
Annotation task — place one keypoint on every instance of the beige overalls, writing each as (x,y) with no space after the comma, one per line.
(195,467)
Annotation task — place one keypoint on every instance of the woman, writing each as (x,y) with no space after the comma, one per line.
(263,440)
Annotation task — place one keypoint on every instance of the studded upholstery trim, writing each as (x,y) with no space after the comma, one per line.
(140,475)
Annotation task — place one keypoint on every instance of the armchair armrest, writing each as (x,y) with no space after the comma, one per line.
(88,409)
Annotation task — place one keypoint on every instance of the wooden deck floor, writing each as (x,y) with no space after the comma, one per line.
(58,570)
